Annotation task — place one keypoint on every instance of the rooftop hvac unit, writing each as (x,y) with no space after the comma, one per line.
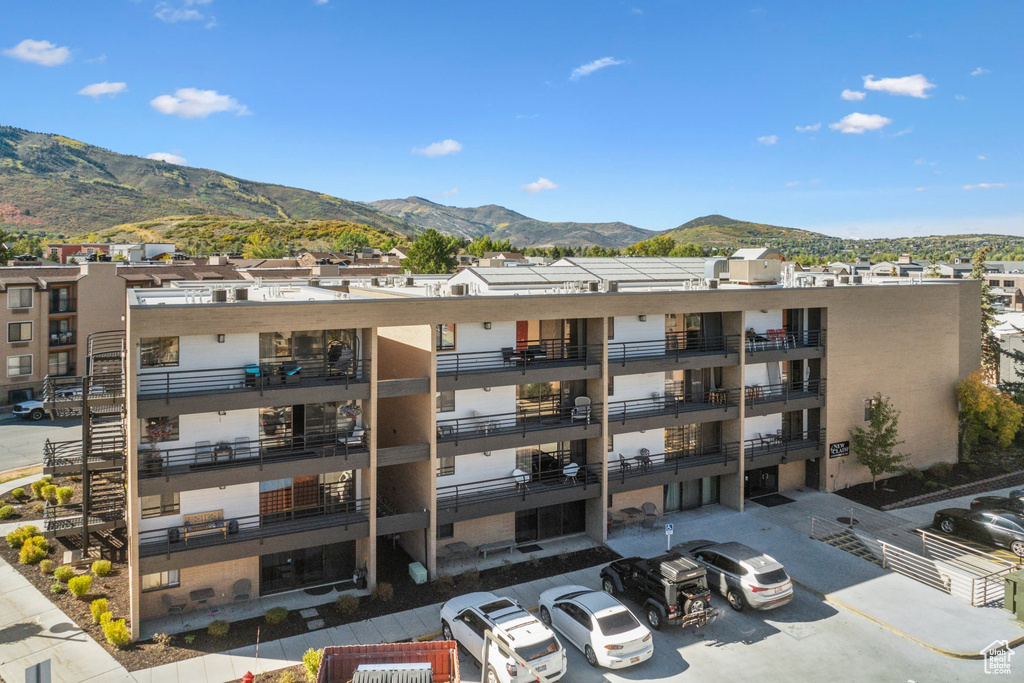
(592,286)
(408,282)
(844,279)
(241,294)
(713,283)
(458,290)
(314,282)
(857,279)
(612,286)
(375,282)
(411,672)
(830,282)
(219,296)
(344,283)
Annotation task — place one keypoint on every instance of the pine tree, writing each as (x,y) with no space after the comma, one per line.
(989,343)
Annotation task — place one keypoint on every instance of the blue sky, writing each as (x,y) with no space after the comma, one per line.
(651,113)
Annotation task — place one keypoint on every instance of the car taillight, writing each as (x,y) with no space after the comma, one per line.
(613,647)
(672,609)
(758,589)
(646,638)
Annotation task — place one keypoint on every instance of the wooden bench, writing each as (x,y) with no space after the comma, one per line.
(508,545)
(205,522)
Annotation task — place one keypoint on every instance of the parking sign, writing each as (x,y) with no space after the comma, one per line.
(668,529)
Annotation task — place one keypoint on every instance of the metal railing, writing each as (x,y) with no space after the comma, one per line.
(63,338)
(252,377)
(156,462)
(68,389)
(520,422)
(677,345)
(672,404)
(69,453)
(68,305)
(769,340)
(522,487)
(783,443)
(672,462)
(786,391)
(522,357)
(255,527)
(69,516)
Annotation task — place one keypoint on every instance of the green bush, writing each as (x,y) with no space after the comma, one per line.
(383,592)
(931,486)
(64,494)
(218,629)
(163,639)
(17,538)
(46,566)
(49,493)
(18,493)
(106,618)
(311,660)
(942,470)
(34,550)
(276,615)
(64,573)
(6,512)
(37,486)
(80,585)
(444,584)
(57,587)
(346,604)
(288,676)
(98,607)
(38,508)
(117,633)
(101,567)
(190,638)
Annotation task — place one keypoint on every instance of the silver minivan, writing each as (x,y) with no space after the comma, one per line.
(746,577)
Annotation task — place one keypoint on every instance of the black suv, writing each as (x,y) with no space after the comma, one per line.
(673,589)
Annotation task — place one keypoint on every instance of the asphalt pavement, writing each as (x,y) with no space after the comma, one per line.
(21,441)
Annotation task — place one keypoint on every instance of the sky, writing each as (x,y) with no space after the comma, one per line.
(866,119)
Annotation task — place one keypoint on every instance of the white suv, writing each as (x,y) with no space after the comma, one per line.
(465,618)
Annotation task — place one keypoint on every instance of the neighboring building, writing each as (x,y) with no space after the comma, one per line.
(1010,332)
(71,253)
(142,252)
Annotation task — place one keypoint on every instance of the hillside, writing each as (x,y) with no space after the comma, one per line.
(56,185)
(502,223)
(720,231)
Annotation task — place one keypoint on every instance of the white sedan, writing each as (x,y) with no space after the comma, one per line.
(598,624)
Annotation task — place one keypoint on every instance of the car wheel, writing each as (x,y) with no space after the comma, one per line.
(545,616)
(735,599)
(654,618)
(1017,548)
(446,631)
(947,526)
(37,414)
(609,586)
(591,656)
(695,605)
(492,677)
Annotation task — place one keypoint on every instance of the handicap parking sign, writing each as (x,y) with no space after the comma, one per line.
(668,529)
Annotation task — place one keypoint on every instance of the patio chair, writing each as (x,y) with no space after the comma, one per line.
(644,459)
(173,606)
(570,472)
(650,510)
(204,452)
(581,409)
(241,590)
(242,449)
(647,525)
(624,465)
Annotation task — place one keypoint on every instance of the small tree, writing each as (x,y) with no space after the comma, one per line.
(986,414)
(875,446)
(433,252)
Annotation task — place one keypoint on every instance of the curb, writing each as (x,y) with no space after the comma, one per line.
(892,629)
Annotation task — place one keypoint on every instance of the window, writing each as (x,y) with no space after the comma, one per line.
(993,283)
(19,297)
(167,579)
(157,506)
(611,386)
(869,404)
(19,332)
(445,401)
(162,428)
(446,466)
(1007,283)
(444,337)
(61,364)
(611,329)
(19,366)
(159,351)
(445,531)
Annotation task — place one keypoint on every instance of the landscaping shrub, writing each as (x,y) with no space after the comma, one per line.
(64,573)
(190,638)
(6,511)
(37,486)
(57,587)
(64,494)
(106,618)
(469,580)
(346,604)
(383,592)
(218,629)
(49,493)
(80,585)
(18,493)
(98,607)
(34,550)
(101,567)
(941,470)
(163,639)
(46,566)
(444,583)
(17,538)
(311,660)
(288,676)
(276,615)
(117,633)
(38,508)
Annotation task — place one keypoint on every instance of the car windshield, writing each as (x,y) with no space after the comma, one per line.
(619,622)
(774,576)
(537,650)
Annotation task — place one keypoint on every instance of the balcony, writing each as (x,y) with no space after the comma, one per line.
(198,391)
(644,471)
(776,449)
(67,338)
(63,305)
(66,520)
(529,361)
(522,491)
(674,352)
(779,345)
(105,389)
(65,457)
(478,433)
(672,409)
(205,465)
(768,399)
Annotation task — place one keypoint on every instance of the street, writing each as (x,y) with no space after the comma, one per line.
(21,441)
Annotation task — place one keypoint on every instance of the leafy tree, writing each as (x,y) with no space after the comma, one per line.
(875,446)
(986,414)
(662,245)
(483,244)
(5,253)
(351,241)
(433,252)
(27,245)
(688,251)
(989,342)
(260,245)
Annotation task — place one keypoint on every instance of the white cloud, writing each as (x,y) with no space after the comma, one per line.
(858,123)
(320,2)
(853,95)
(959,98)
(809,129)
(982,157)
(169,158)
(41,52)
(446,193)
(439,149)
(980,71)
(105,88)
(589,68)
(636,10)
(984,186)
(793,183)
(191,103)
(538,186)
(172,14)
(920,189)
(903,132)
(914,86)
(768,139)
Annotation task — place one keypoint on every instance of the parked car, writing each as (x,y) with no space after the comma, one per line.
(30,410)
(465,618)
(746,577)
(1014,502)
(598,624)
(671,588)
(994,527)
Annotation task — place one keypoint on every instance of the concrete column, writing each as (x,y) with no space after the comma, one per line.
(731,489)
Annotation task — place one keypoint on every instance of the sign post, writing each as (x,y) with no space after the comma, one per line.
(669,528)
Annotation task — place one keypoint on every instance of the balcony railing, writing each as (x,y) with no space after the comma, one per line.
(253,377)
(522,357)
(63,338)
(671,404)
(673,462)
(787,391)
(769,444)
(69,305)
(770,340)
(672,346)
(69,516)
(69,453)
(179,538)
(538,417)
(67,390)
(520,486)
(244,452)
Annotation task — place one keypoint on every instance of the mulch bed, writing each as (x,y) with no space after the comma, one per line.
(30,509)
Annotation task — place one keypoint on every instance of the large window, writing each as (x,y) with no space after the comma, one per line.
(19,297)
(19,332)
(307,567)
(163,504)
(445,401)
(446,466)
(159,351)
(444,337)
(167,579)
(19,366)
(61,364)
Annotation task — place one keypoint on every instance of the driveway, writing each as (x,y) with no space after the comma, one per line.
(21,442)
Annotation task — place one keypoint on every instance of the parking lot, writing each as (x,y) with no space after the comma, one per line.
(21,441)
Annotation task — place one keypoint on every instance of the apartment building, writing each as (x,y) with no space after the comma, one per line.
(276,432)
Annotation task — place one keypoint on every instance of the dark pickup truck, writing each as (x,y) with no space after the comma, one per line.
(672,589)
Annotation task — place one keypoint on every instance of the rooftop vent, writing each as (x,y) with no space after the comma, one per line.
(241,294)
(219,296)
